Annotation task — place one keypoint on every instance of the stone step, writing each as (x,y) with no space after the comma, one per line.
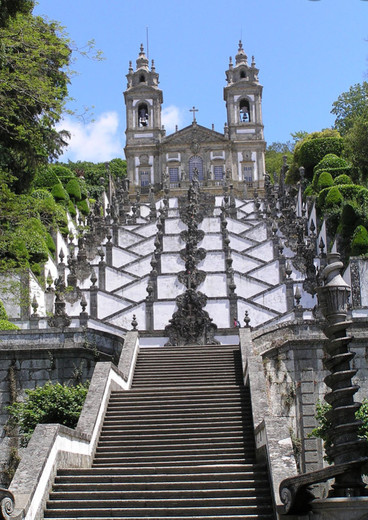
(182,407)
(174,450)
(155,442)
(179,460)
(246,511)
(150,485)
(163,432)
(107,494)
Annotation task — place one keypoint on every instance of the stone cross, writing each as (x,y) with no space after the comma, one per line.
(194,110)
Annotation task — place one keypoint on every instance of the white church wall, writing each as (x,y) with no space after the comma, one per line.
(140,267)
(219,312)
(147,230)
(108,304)
(116,279)
(275,299)
(169,287)
(162,312)
(211,242)
(126,238)
(171,263)
(247,287)
(173,226)
(214,285)
(144,247)
(121,257)
(172,243)
(210,225)
(258,233)
(268,273)
(135,292)
(243,263)
(263,252)
(214,261)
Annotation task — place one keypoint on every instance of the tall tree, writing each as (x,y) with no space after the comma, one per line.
(34,56)
(349,106)
(9,8)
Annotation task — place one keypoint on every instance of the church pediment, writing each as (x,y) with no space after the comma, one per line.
(194,136)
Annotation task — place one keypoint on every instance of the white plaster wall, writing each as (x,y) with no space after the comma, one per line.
(248,206)
(171,263)
(121,257)
(173,202)
(36,290)
(268,273)
(169,287)
(126,238)
(172,243)
(263,252)
(246,287)
(145,211)
(274,299)
(108,304)
(243,264)
(214,261)
(73,309)
(136,291)
(236,227)
(258,233)
(174,226)
(116,279)
(50,266)
(363,273)
(140,267)
(239,243)
(61,245)
(144,248)
(211,242)
(173,213)
(9,295)
(257,315)
(219,312)
(147,230)
(210,225)
(214,285)
(162,312)
(124,319)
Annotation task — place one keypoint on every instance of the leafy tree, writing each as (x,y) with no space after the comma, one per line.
(274,156)
(51,403)
(356,145)
(350,106)
(9,9)
(33,88)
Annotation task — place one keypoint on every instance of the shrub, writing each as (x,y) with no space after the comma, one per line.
(83,207)
(59,193)
(7,325)
(62,172)
(349,219)
(41,194)
(71,209)
(312,151)
(3,315)
(36,269)
(325,180)
(45,178)
(329,197)
(342,179)
(359,242)
(50,243)
(74,190)
(51,403)
(331,161)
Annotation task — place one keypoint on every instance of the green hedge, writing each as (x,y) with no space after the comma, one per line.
(333,197)
(45,178)
(7,325)
(82,205)
(331,161)
(312,151)
(325,180)
(74,190)
(59,192)
(3,315)
(342,179)
(359,243)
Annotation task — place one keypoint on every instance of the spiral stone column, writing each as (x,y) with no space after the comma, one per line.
(344,445)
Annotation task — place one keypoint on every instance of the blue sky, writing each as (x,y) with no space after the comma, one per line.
(308,53)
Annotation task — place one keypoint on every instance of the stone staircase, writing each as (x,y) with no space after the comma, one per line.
(178,445)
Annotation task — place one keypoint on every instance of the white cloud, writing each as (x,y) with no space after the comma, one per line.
(97,141)
(172,116)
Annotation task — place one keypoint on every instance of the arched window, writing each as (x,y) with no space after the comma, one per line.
(196,162)
(242,74)
(142,115)
(244,111)
(142,78)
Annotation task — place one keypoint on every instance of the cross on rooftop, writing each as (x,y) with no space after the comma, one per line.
(194,110)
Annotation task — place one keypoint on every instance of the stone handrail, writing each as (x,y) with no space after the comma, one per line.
(295,493)
(53,446)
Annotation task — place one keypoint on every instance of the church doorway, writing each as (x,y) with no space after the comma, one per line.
(196,162)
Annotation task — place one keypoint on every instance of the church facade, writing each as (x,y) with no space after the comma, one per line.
(154,157)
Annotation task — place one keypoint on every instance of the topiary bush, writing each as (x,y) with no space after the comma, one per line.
(331,161)
(359,242)
(74,190)
(41,194)
(83,207)
(51,403)
(59,193)
(312,151)
(71,209)
(333,197)
(62,172)
(342,179)
(325,180)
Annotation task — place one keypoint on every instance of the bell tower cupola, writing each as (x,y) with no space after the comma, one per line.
(143,100)
(243,97)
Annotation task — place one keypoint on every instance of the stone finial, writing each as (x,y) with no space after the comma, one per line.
(297,296)
(34,306)
(93,278)
(134,322)
(83,303)
(246,320)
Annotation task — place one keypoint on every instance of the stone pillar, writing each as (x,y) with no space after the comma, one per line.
(109,253)
(102,275)
(93,301)
(356,297)
(345,446)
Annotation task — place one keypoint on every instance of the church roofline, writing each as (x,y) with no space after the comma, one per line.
(189,128)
